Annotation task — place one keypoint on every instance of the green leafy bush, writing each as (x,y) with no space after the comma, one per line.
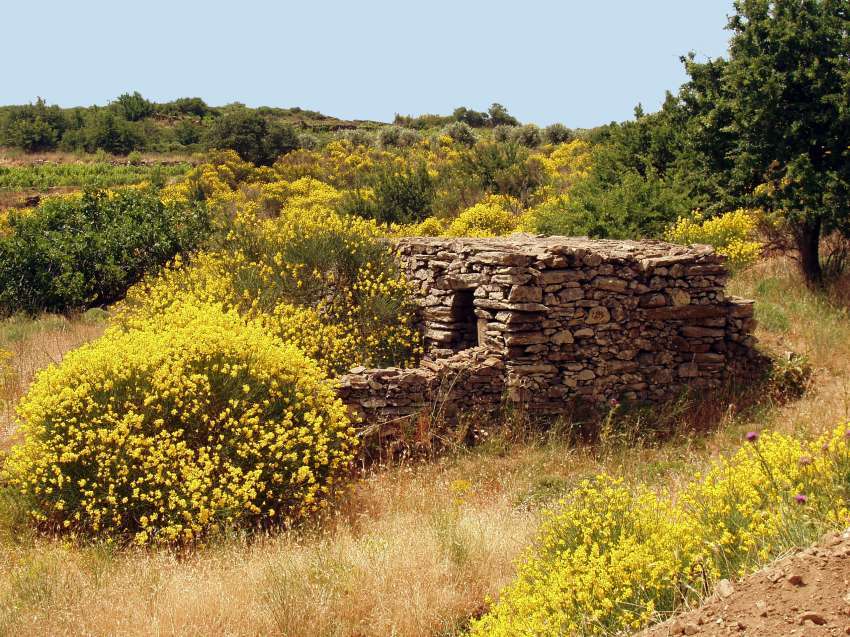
(557,134)
(82,251)
(460,132)
(252,136)
(32,127)
(502,169)
(528,135)
(393,195)
(133,107)
(396,136)
(105,131)
(359,137)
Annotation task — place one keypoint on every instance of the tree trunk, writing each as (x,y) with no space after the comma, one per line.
(808,244)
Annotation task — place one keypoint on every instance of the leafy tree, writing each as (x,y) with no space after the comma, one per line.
(187,106)
(476,119)
(787,98)
(33,127)
(188,133)
(557,134)
(133,107)
(252,136)
(105,131)
(499,116)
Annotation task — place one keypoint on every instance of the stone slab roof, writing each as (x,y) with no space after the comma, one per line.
(538,248)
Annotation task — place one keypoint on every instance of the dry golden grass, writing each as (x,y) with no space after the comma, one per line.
(28,345)
(413,549)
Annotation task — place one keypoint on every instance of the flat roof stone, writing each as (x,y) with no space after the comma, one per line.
(645,253)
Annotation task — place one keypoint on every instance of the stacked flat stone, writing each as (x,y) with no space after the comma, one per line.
(569,319)
(385,400)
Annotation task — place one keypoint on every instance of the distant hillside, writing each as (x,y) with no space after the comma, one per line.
(131,122)
(188,124)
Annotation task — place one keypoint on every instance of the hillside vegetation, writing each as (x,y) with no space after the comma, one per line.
(173,455)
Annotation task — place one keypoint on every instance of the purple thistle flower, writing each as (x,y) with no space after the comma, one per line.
(801,498)
(614,402)
(752,436)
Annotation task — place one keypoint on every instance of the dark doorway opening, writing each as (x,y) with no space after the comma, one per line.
(464,321)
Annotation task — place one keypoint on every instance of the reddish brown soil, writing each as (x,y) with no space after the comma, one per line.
(806,595)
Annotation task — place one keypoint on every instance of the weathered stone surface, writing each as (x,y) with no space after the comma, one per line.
(612,284)
(598,314)
(526,294)
(539,322)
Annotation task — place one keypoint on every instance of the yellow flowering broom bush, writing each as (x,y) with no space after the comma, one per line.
(325,281)
(176,428)
(485,219)
(614,558)
(733,234)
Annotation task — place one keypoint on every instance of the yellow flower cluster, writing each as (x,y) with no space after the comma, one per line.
(732,234)
(178,427)
(484,219)
(570,162)
(613,559)
(323,281)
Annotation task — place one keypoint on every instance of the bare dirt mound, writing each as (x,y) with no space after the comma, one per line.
(806,594)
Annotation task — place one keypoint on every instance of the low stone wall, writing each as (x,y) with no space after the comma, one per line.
(567,319)
(388,401)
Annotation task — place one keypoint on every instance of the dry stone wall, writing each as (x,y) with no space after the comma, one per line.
(386,401)
(544,322)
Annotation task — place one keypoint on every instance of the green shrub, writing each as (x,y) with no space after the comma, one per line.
(252,136)
(396,136)
(630,206)
(133,107)
(388,136)
(557,134)
(359,137)
(188,425)
(82,251)
(460,132)
(188,133)
(395,195)
(499,116)
(527,135)
(105,131)
(186,106)
(476,119)
(33,127)
(503,133)
(503,169)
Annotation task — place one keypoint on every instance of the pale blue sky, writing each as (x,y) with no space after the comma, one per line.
(579,62)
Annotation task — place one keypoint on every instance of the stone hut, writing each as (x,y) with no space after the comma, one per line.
(541,323)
